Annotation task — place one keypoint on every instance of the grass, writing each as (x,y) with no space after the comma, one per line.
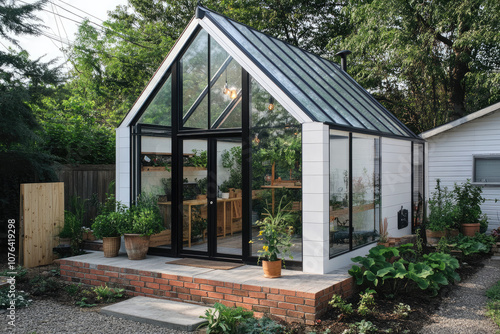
(493,307)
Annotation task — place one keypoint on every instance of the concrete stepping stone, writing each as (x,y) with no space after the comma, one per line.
(159,312)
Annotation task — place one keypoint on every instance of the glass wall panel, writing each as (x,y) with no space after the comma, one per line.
(225,98)
(365,189)
(156,180)
(276,171)
(159,111)
(194,195)
(229,201)
(339,192)
(418,184)
(194,71)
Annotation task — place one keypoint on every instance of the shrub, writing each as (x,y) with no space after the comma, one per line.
(107,294)
(338,303)
(441,209)
(396,269)
(468,203)
(480,243)
(367,302)
(20,298)
(144,217)
(224,319)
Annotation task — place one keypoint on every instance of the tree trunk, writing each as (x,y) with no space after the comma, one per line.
(457,81)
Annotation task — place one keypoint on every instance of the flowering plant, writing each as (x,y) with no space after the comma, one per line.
(276,233)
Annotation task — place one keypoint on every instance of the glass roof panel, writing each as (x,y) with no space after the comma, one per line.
(294,92)
(159,111)
(339,89)
(318,87)
(354,118)
(362,95)
(312,89)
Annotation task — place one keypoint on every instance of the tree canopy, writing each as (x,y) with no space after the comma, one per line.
(429,62)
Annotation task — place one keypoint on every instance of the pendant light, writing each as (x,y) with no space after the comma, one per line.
(270,106)
(226,89)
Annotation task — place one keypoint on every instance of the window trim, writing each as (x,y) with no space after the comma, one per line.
(492,156)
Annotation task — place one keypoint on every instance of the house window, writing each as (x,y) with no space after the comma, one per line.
(487,169)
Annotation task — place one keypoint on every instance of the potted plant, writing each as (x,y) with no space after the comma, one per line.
(143,220)
(224,189)
(276,234)
(468,207)
(202,187)
(441,216)
(106,227)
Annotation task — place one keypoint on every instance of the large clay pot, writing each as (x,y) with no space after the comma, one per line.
(470,229)
(136,246)
(272,269)
(433,237)
(111,246)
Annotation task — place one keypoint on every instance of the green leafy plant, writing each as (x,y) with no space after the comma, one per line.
(41,285)
(361,327)
(106,294)
(441,209)
(338,303)
(20,298)
(108,224)
(468,203)
(480,243)
(19,273)
(223,319)
(276,233)
(144,217)
(72,289)
(395,269)
(493,306)
(83,303)
(402,310)
(263,325)
(367,302)
(199,159)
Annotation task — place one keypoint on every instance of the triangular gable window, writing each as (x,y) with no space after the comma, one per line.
(209,73)
(159,111)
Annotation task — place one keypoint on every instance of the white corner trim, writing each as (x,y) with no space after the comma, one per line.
(460,121)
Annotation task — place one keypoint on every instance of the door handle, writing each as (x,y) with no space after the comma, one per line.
(211,202)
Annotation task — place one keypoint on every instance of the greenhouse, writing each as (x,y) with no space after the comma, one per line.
(236,125)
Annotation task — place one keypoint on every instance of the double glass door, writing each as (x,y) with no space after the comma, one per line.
(211,218)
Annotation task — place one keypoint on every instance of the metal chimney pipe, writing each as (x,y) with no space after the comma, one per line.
(343,59)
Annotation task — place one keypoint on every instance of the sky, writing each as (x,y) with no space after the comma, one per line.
(61,18)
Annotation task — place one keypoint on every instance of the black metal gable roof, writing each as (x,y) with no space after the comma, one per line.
(318,86)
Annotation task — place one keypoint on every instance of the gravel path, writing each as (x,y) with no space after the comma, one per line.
(463,311)
(49,317)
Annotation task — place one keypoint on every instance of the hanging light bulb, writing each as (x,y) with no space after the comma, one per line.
(234,94)
(226,89)
(270,107)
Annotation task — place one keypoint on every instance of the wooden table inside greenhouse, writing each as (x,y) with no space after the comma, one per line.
(196,202)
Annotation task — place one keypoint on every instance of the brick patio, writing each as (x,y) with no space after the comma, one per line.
(295,297)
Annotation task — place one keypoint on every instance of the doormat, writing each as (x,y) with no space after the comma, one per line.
(206,264)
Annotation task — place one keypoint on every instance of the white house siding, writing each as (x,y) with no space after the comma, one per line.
(396,183)
(450,158)
(123,165)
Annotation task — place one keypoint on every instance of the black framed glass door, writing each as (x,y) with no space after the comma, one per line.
(211,219)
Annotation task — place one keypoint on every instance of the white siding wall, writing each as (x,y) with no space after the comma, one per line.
(315,193)
(123,165)
(449,158)
(396,183)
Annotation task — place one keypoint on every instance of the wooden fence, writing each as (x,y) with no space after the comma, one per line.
(84,181)
(41,219)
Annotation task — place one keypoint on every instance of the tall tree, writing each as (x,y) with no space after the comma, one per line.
(113,65)
(428,61)
(23,82)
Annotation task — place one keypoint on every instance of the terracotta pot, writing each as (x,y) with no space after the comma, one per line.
(111,246)
(470,229)
(451,232)
(136,246)
(201,196)
(434,236)
(272,269)
(90,236)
